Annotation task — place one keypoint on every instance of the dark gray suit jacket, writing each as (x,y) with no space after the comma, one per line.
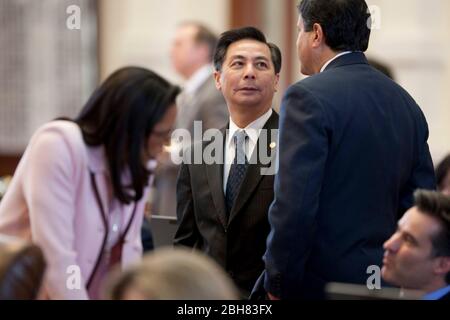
(237,243)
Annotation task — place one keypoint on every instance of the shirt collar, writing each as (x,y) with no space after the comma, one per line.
(198,78)
(438,294)
(253,129)
(332,59)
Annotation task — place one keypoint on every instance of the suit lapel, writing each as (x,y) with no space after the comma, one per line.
(97,166)
(253,175)
(214,173)
(102,188)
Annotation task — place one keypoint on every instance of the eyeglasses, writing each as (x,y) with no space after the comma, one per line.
(163,134)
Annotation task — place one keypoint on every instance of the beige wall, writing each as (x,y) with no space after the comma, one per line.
(139,32)
(414,40)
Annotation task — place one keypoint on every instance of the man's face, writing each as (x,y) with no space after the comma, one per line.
(408,261)
(304,48)
(185,51)
(248,76)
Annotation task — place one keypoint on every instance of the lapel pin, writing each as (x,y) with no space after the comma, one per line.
(272,145)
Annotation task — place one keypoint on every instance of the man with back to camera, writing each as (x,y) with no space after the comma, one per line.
(353,148)
(417,256)
(224,205)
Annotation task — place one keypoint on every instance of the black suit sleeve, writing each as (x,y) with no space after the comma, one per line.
(422,175)
(292,216)
(187,233)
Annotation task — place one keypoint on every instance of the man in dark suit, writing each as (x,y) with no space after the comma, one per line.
(417,256)
(353,148)
(223,206)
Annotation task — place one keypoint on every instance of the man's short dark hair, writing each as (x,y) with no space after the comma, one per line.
(231,36)
(345,23)
(437,205)
(442,170)
(204,35)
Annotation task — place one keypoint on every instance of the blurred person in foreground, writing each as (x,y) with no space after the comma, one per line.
(172,274)
(80,188)
(22,267)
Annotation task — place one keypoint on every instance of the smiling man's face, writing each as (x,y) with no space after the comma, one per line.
(248,78)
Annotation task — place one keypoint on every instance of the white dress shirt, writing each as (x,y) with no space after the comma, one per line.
(253,130)
(334,58)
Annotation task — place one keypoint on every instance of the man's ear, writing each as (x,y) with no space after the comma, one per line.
(442,266)
(318,36)
(277,82)
(217,79)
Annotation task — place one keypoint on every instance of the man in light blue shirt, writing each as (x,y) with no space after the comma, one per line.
(417,256)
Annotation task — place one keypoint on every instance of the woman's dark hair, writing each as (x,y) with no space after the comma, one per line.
(345,23)
(120,115)
(442,170)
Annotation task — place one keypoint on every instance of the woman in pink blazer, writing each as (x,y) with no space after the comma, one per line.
(80,188)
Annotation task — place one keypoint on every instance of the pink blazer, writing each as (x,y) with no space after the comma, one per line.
(51,202)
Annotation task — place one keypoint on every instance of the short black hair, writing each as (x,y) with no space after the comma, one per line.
(204,35)
(345,23)
(120,115)
(231,36)
(436,205)
(442,170)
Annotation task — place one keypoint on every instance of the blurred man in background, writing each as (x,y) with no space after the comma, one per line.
(191,55)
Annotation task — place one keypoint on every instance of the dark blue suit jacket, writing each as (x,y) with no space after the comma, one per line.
(353,148)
